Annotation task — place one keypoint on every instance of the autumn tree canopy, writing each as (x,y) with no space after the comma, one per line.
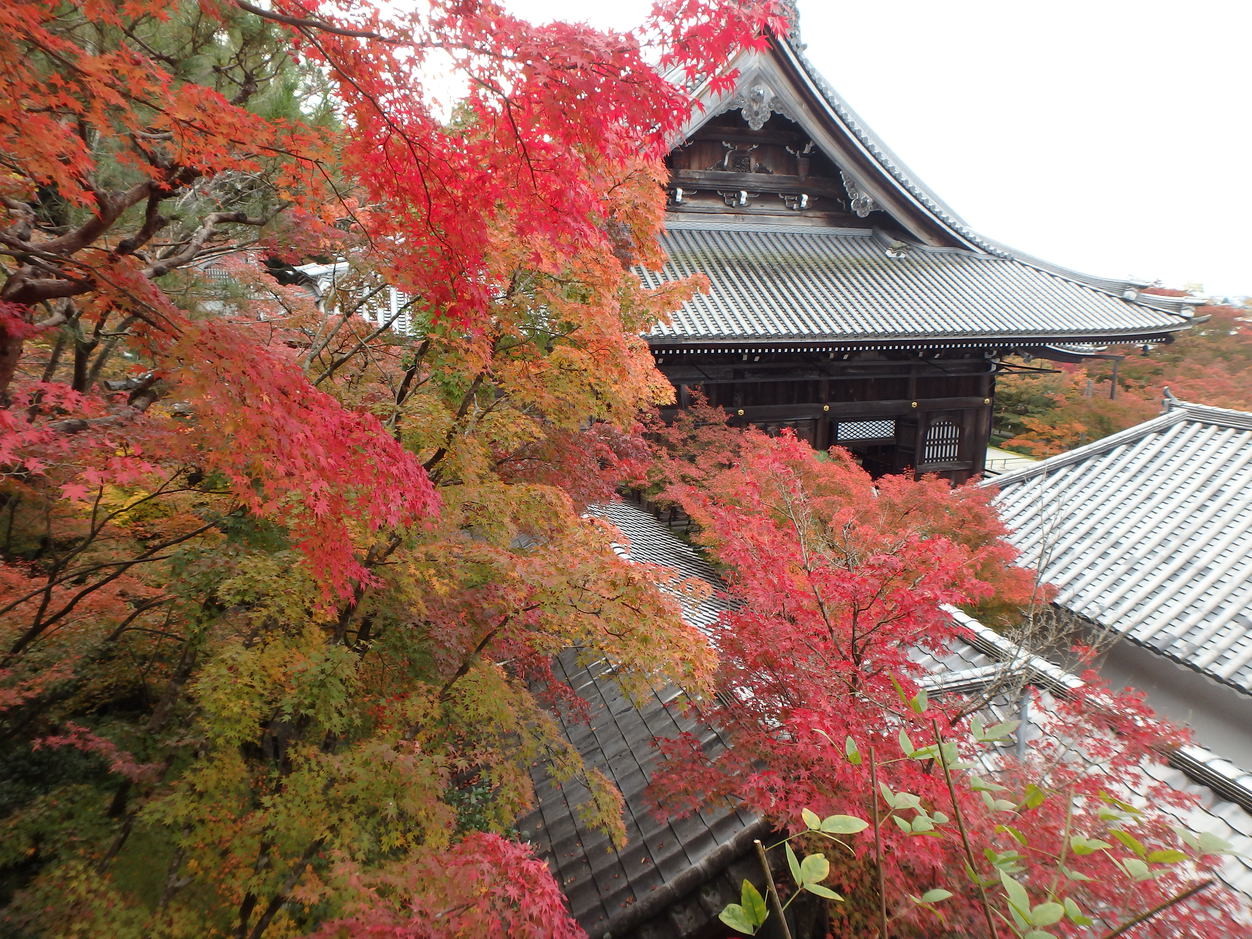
(277,578)
(1211,363)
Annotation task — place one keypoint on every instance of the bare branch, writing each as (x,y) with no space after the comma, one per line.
(187,250)
(303,23)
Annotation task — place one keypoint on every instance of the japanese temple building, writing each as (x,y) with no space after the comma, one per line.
(846,300)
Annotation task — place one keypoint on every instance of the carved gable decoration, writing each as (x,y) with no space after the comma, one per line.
(783,145)
(757,102)
(738,159)
(862,202)
(773,168)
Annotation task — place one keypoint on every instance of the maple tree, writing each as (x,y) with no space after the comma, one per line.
(1210,363)
(838,585)
(278,578)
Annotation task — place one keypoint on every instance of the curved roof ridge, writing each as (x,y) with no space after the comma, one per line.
(887,157)
(927,197)
(1209,414)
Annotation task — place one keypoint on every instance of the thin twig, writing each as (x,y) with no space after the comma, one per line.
(1160,907)
(303,23)
(873,804)
(960,825)
(770,889)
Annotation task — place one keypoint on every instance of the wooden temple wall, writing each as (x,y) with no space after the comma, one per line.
(927,415)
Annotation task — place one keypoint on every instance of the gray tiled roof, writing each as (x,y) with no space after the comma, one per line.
(1149,532)
(772,283)
(612,891)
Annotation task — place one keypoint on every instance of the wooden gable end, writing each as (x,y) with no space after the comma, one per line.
(778,147)
(773,171)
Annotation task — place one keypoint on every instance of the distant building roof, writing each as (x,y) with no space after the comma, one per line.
(856,287)
(1148,533)
(1223,790)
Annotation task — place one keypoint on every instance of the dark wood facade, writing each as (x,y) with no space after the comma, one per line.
(894,411)
(921,410)
(773,171)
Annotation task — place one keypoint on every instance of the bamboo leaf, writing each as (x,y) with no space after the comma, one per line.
(826,892)
(793,864)
(843,824)
(737,919)
(814,868)
(753,903)
(1046,914)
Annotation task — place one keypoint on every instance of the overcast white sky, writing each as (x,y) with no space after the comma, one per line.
(1111,136)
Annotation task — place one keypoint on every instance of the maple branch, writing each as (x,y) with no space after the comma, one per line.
(409,143)
(187,250)
(103,356)
(317,348)
(1160,907)
(153,222)
(303,23)
(808,569)
(402,393)
(466,401)
(284,891)
(42,624)
(468,662)
(517,131)
(110,208)
(362,344)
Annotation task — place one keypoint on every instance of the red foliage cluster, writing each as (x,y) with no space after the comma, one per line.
(484,886)
(838,583)
(275,575)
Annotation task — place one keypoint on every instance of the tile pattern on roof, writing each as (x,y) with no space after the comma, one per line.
(646,541)
(1149,533)
(606,887)
(773,282)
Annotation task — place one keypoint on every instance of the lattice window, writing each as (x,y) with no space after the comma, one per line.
(865,430)
(383,306)
(943,440)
